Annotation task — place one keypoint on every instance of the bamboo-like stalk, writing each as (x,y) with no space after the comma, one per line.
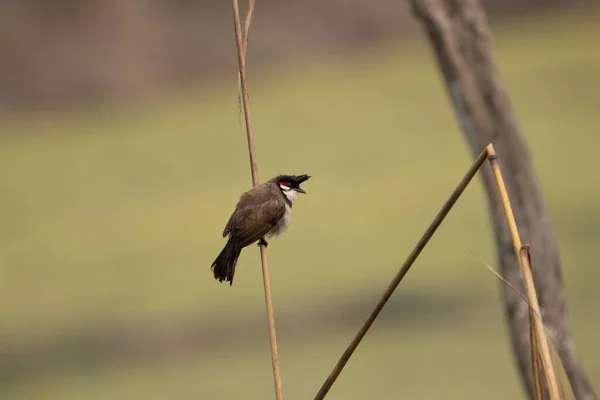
(535,359)
(241,53)
(437,221)
(525,267)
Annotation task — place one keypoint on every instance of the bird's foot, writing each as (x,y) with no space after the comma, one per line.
(262,242)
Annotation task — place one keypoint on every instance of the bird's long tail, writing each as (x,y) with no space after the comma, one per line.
(223,267)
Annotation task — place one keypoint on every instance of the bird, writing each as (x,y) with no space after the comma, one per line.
(263,211)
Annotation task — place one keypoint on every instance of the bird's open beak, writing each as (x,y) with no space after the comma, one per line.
(300,190)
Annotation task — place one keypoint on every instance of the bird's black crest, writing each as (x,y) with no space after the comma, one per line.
(293,180)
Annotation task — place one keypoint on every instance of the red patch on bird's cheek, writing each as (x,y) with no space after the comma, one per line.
(284,185)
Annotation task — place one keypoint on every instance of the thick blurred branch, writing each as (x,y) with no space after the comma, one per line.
(459,34)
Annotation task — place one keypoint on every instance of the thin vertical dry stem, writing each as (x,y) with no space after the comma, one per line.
(247,24)
(437,221)
(244,83)
(535,358)
(245,37)
(263,251)
(523,257)
(535,355)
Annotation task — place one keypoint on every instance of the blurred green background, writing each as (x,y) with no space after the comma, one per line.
(111,216)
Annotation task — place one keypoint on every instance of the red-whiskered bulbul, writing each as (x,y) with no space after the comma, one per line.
(264,210)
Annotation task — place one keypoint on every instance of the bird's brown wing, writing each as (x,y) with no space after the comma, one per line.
(256,213)
(245,200)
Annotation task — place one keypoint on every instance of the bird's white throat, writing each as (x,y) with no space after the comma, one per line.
(290,194)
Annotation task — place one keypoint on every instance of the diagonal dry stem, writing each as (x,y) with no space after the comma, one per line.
(437,221)
(241,45)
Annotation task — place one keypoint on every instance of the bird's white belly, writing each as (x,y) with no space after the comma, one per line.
(282,224)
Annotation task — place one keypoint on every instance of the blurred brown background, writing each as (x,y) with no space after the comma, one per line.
(72,51)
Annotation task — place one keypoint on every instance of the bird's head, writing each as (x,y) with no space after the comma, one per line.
(290,184)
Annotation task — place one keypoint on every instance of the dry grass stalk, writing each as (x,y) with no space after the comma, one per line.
(242,45)
(525,267)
